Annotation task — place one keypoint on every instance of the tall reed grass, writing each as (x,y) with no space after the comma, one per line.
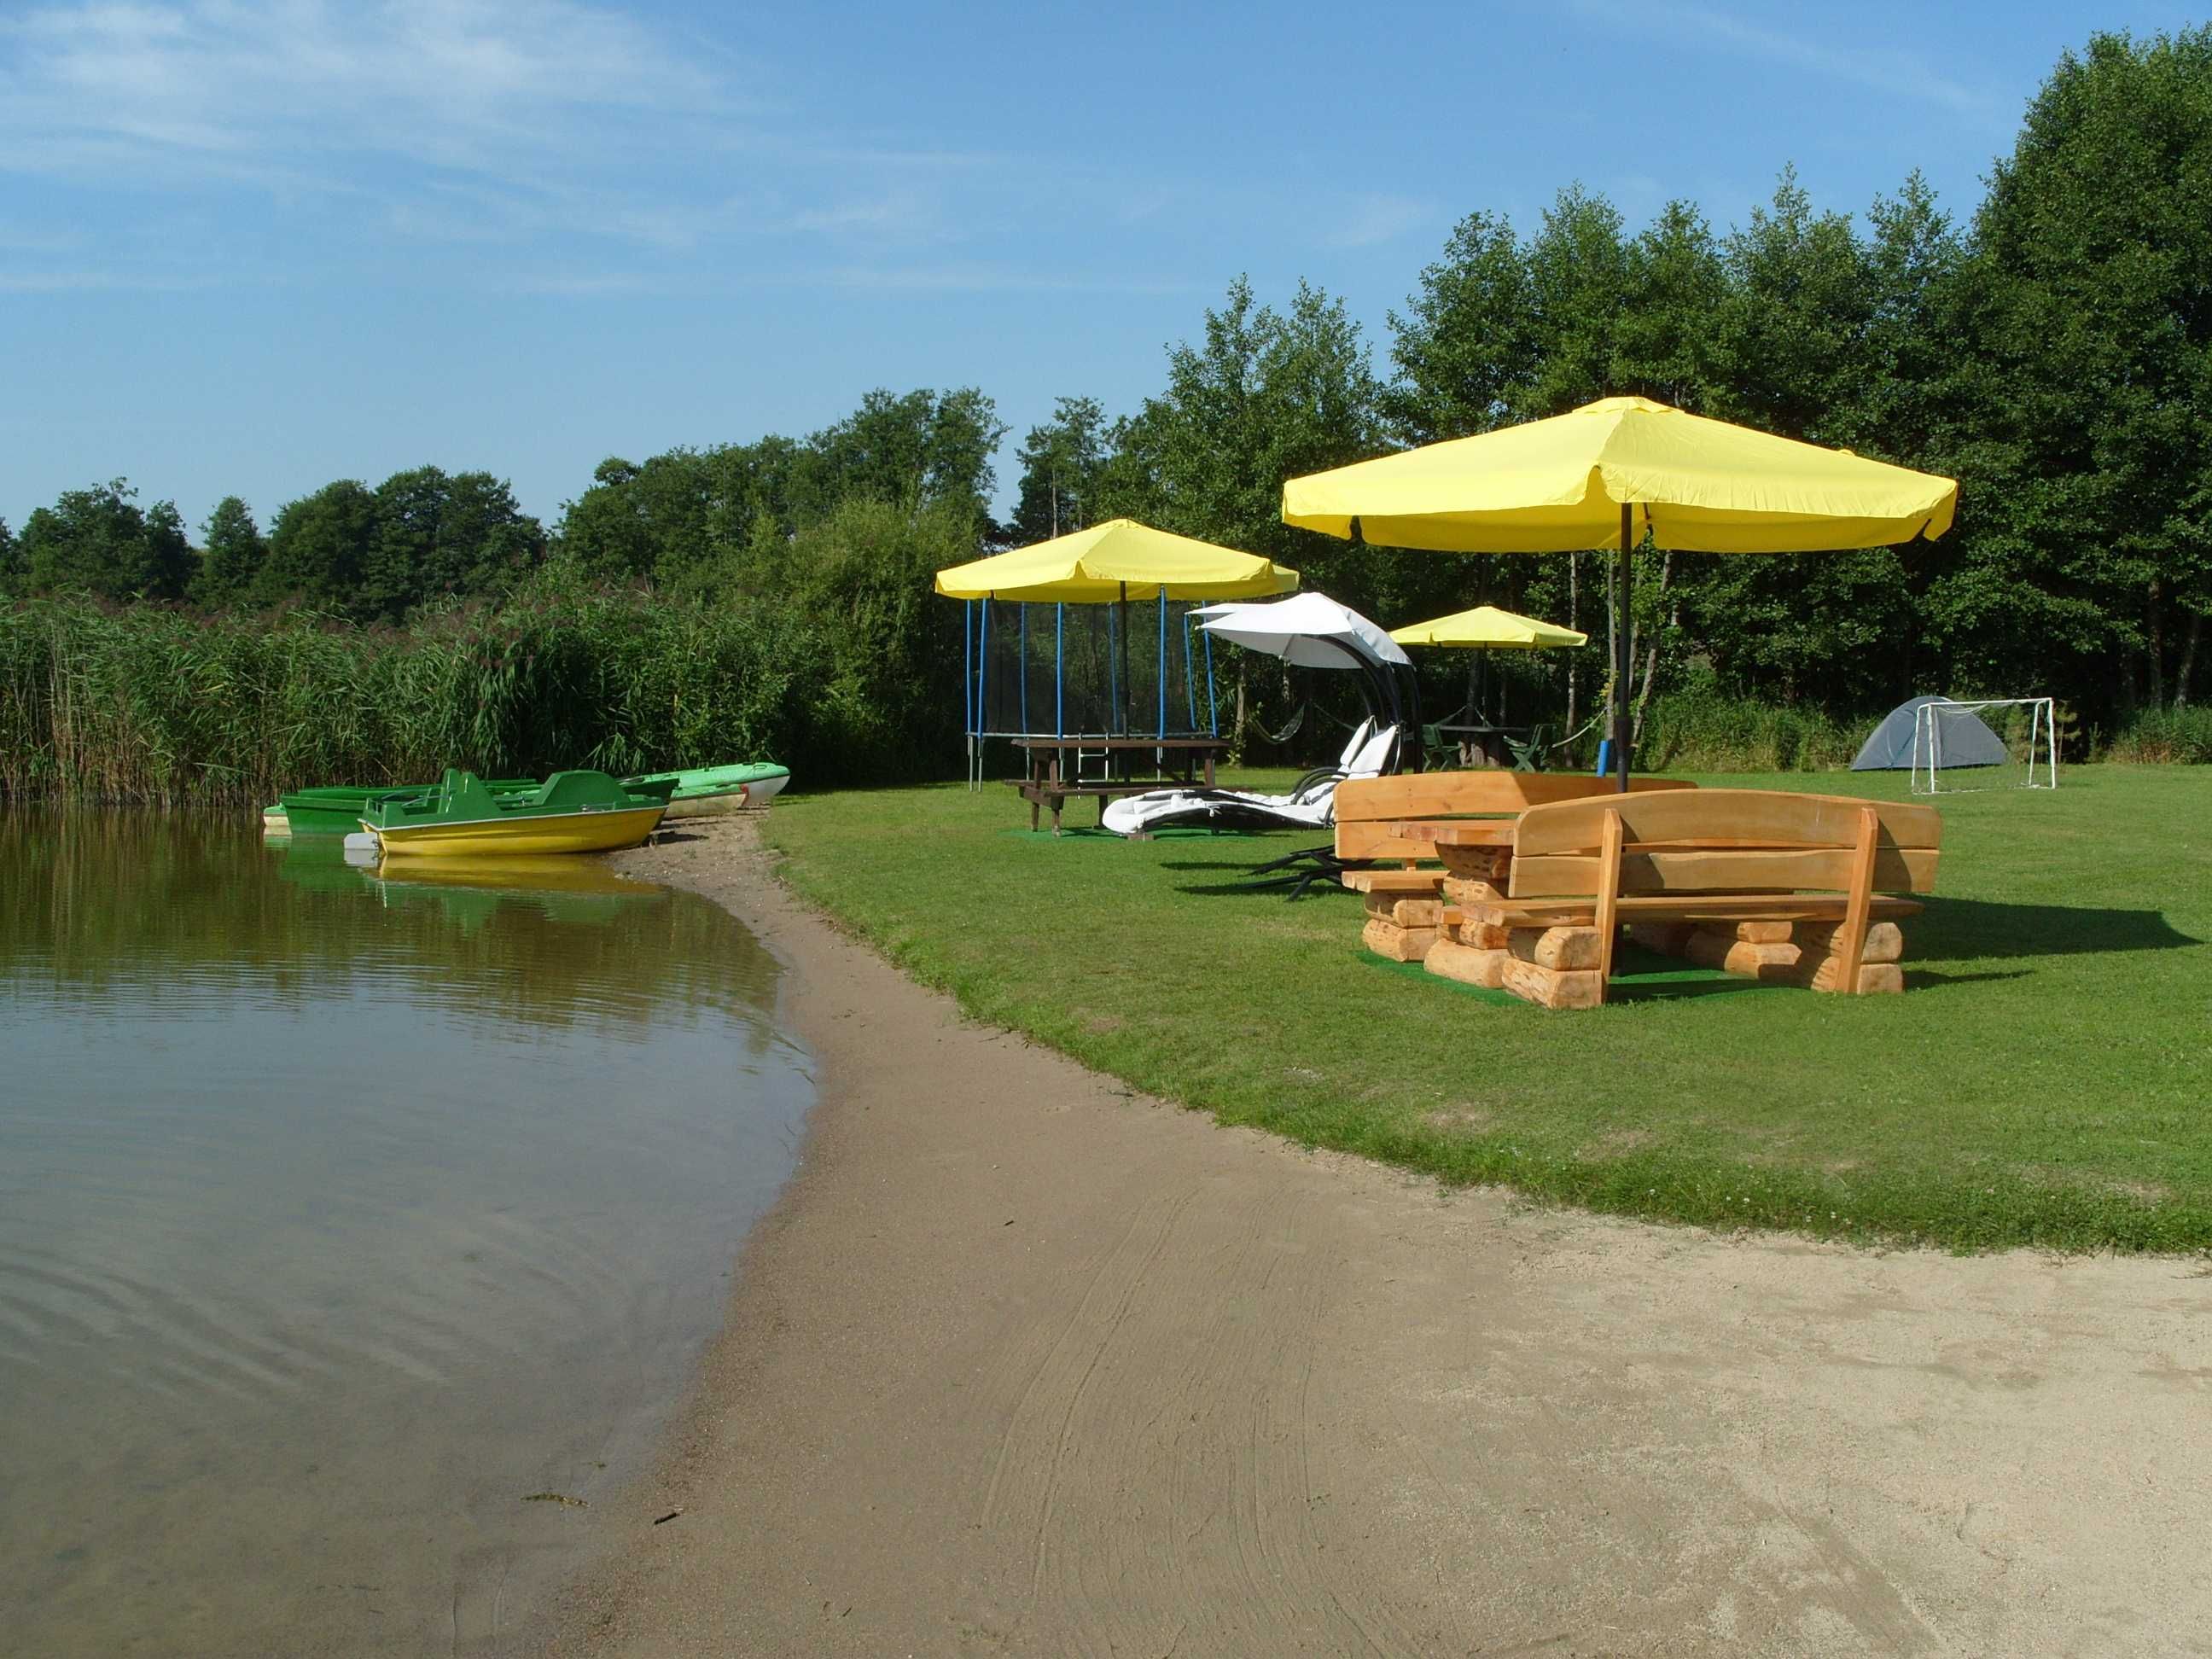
(157,705)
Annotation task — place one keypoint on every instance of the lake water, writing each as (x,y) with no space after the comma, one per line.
(342,1219)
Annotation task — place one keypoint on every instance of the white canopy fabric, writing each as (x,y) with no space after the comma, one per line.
(1307,631)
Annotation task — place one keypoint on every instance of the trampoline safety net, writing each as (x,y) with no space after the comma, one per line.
(1142,668)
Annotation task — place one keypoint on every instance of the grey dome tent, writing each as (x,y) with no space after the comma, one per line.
(1966,742)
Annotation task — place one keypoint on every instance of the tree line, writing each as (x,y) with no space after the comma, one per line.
(2053,351)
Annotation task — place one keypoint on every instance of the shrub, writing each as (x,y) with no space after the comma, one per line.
(2167,736)
(1702,731)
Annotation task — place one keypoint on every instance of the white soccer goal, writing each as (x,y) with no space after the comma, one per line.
(2001,743)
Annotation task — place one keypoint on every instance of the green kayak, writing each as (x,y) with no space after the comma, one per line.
(337,809)
(716,788)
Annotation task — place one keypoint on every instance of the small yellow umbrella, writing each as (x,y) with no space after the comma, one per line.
(1488,627)
(1623,468)
(1109,561)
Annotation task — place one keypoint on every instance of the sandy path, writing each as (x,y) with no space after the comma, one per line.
(1024,1364)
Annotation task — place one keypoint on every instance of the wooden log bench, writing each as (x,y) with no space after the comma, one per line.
(1805,890)
(1418,884)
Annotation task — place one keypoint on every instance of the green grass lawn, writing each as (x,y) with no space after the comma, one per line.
(2046,1079)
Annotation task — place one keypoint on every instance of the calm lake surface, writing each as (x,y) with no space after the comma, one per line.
(339,1218)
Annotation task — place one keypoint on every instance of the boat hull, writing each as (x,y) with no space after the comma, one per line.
(707,789)
(707,806)
(521,835)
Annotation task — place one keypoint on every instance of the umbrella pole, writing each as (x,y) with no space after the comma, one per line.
(1129,687)
(1622,650)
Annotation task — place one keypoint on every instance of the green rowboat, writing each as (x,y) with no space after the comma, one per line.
(337,809)
(716,788)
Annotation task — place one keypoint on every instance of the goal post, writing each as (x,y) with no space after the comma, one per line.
(1996,743)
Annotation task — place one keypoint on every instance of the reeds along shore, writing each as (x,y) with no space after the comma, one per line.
(153,706)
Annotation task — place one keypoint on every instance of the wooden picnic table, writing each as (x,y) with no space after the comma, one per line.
(1493,744)
(1048,781)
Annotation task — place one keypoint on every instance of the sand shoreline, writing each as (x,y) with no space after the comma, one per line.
(1021,1361)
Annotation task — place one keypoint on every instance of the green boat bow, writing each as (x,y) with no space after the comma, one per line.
(338,809)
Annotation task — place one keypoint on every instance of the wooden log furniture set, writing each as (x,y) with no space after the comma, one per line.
(1536,874)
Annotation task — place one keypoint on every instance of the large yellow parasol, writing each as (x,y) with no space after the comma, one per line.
(1612,472)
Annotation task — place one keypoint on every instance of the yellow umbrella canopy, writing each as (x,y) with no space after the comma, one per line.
(1113,561)
(1489,627)
(1612,472)
(1562,484)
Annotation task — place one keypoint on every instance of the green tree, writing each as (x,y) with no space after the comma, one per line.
(1061,460)
(1579,280)
(320,546)
(920,448)
(639,521)
(440,534)
(861,577)
(2095,254)
(11,571)
(1791,337)
(232,550)
(1266,396)
(1675,282)
(1799,304)
(1466,346)
(99,541)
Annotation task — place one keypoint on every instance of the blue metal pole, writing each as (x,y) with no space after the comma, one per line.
(982,665)
(1021,663)
(1213,713)
(1190,686)
(1060,669)
(1163,661)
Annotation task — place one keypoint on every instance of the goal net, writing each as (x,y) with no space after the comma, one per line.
(2001,743)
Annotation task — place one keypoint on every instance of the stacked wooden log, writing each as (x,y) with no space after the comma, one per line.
(1554,967)
(1782,952)
(1402,929)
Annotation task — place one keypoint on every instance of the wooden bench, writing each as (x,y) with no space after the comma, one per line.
(1803,889)
(1392,821)
(1395,823)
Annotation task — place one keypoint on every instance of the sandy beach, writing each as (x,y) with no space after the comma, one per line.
(1024,1363)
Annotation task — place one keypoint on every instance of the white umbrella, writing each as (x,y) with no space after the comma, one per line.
(1307,631)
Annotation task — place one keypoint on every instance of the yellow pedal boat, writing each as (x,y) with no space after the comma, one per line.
(569,813)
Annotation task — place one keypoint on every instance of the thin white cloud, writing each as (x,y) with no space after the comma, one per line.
(986,278)
(96,282)
(1372,219)
(567,114)
(547,128)
(1893,68)
(23,239)
(445,83)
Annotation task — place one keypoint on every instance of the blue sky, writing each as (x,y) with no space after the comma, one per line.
(251,245)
